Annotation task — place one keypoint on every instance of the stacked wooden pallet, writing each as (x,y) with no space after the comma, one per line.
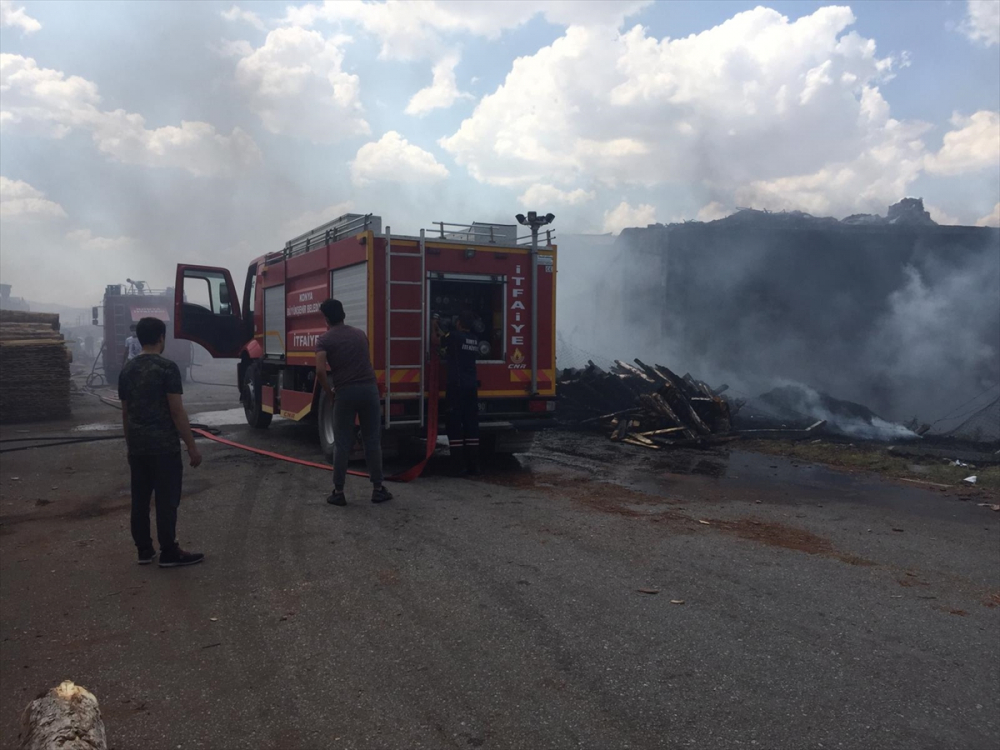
(34,368)
(645,405)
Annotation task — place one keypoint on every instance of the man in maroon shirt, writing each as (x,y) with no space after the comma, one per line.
(351,382)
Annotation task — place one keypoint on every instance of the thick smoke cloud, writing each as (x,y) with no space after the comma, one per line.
(903,320)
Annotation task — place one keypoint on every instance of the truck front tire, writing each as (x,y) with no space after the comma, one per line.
(252,407)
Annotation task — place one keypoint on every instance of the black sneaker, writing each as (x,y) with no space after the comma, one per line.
(146,557)
(337,498)
(179,557)
(381,495)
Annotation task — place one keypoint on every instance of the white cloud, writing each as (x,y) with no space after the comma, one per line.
(713,211)
(238,14)
(312,219)
(991,219)
(19,201)
(624,215)
(10,16)
(394,159)
(443,91)
(415,29)
(973,144)
(232,48)
(543,196)
(875,178)
(755,100)
(297,86)
(982,21)
(44,102)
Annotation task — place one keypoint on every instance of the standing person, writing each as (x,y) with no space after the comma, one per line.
(133,348)
(155,422)
(462,392)
(353,386)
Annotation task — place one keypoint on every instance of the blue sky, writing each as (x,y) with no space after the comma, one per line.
(608,114)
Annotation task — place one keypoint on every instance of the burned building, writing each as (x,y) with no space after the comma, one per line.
(895,312)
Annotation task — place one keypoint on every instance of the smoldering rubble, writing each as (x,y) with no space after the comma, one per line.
(896,313)
(653,407)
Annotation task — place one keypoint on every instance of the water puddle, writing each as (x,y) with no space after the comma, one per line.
(220,418)
(97,427)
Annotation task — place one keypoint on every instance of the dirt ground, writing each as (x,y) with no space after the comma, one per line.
(585,594)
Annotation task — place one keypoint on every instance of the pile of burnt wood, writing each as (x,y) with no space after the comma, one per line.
(646,405)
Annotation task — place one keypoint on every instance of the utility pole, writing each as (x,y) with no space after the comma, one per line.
(535,222)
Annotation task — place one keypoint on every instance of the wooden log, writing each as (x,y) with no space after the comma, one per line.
(612,415)
(634,371)
(682,406)
(651,371)
(651,445)
(30,336)
(32,342)
(660,406)
(642,439)
(667,431)
(67,717)
(21,316)
(621,431)
(679,383)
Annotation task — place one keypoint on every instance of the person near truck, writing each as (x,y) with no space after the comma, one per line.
(133,348)
(155,422)
(344,371)
(462,391)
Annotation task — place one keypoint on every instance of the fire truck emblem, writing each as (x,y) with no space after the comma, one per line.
(517,357)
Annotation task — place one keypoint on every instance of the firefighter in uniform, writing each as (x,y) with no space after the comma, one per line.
(462,392)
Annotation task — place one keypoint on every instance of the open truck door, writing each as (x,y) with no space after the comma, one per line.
(207,312)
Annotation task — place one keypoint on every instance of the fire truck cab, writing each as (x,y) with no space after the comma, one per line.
(392,287)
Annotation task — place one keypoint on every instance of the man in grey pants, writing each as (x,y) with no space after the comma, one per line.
(351,382)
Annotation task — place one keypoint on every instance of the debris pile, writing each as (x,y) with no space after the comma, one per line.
(981,427)
(648,405)
(798,407)
(34,368)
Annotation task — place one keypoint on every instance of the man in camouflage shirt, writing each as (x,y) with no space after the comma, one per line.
(155,422)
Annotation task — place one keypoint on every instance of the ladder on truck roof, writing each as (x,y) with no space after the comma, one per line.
(390,366)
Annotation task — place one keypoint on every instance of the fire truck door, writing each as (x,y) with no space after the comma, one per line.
(207,311)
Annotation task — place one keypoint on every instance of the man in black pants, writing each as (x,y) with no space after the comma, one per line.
(344,370)
(155,422)
(462,393)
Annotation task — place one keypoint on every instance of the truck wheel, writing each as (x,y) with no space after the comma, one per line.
(256,416)
(324,425)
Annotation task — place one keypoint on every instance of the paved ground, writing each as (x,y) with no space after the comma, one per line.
(819,609)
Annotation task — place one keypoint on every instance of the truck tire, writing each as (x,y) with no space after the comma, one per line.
(324,425)
(252,407)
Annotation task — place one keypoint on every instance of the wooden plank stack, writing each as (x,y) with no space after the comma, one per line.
(645,405)
(34,368)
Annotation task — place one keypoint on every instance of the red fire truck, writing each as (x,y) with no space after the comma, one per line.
(392,287)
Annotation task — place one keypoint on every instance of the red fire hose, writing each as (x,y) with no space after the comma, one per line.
(406,476)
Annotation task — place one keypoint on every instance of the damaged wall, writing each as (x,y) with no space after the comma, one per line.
(904,318)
